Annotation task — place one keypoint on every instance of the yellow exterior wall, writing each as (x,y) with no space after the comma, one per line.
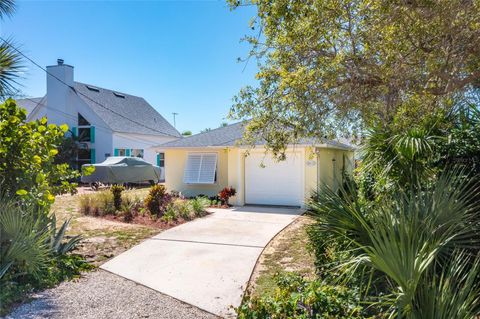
(236,175)
(175,161)
(331,163)
(311,171)
(231,171)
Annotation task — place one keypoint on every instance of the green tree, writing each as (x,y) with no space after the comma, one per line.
(187,133)
(333,65)
(69,148)
(27,157)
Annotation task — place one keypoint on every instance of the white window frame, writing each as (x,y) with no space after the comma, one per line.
(122,151)
(197,175)
(137,151)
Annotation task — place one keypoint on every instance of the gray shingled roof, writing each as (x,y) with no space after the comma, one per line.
(144,118)
(30,103)
(229,135)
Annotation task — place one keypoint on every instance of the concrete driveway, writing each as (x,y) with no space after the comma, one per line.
(206,262)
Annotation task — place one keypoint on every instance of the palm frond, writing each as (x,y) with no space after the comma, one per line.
(11,68)
(407,234)
(7,8)
(454,293)
(22,244)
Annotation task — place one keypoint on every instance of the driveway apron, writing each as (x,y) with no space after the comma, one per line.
(206,262)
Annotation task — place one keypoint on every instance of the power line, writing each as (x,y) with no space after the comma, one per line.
(151,144)
(80,93)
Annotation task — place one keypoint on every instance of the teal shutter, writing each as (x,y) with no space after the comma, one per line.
(92,134)
(92,156)
(115,152)
(158,159)
(127,152)
(74,131)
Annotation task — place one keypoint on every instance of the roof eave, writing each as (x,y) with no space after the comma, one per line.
(245,147)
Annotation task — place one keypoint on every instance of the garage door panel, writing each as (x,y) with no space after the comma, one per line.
(277,183)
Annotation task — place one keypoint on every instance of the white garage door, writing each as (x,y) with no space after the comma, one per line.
(277,183)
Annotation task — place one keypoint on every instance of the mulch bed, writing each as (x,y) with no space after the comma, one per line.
(146,220)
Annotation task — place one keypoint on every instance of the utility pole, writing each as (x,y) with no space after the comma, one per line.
(174,122)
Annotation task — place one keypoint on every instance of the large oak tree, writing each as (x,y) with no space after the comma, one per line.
(338,65)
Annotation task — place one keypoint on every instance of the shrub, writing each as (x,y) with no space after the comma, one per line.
(170,214)
(117,196)
(413,238)
(184,209)
(97,204)
(157,200)
(226,193)
(33,251)
(297,298)
(130,208)
(27,154)
(199,205)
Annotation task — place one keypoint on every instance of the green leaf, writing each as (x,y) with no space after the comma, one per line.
(21,192)
(64,128)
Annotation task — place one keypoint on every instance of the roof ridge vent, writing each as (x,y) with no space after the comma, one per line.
(92,88)
(120,95)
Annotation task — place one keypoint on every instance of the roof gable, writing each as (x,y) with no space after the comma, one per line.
(30,104)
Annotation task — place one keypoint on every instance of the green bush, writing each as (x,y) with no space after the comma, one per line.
(199,205)
(184,209)
(296,297)
(170,214)
(413,238)
(27,158)
(97,204)
(33,251)
(157,200)
(117,196)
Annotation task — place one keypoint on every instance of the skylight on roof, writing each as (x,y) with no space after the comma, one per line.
(120,95)
(92,88)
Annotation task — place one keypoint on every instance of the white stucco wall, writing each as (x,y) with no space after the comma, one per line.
(63,105)
(140,141)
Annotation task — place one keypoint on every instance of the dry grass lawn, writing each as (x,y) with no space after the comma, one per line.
(102,239)
(286,252)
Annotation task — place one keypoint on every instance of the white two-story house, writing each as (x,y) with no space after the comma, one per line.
(110,123)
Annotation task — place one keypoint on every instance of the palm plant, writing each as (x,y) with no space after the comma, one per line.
(10,68)
(29,239)
(409,237)
(405,158)
(23,240)
(10,58)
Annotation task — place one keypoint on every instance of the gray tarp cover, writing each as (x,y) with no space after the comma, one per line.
(119,170)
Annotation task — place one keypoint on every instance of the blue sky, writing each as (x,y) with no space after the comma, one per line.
(181,56)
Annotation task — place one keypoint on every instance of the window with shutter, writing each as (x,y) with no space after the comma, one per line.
(200,168)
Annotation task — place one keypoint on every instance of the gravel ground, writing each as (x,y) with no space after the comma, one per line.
(102,295)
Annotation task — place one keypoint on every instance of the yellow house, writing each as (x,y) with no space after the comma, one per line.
(207,162)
